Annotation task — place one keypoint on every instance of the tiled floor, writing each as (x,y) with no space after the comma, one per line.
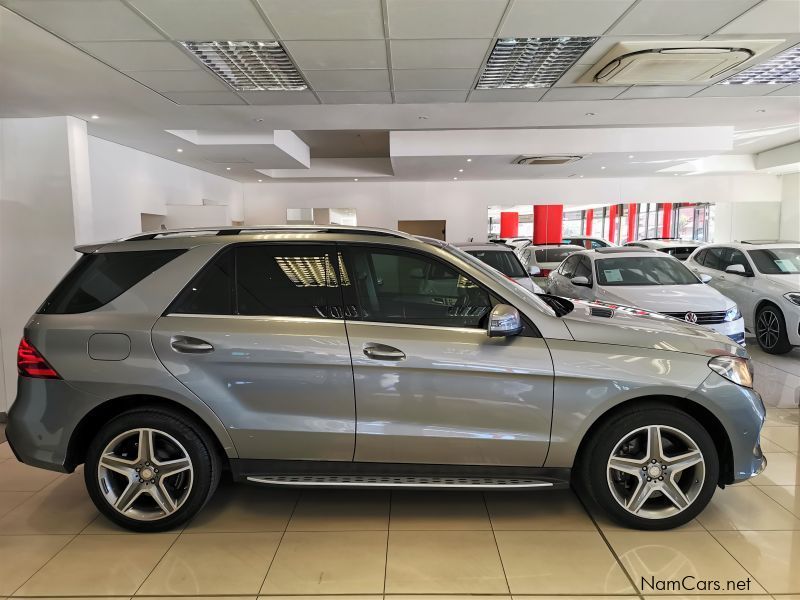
(251,541)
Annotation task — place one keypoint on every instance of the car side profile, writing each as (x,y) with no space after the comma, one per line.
(588,242)
(541,259)
(764,280)
(326,356)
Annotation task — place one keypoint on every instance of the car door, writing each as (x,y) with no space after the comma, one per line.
(431,386)
(560,279)
(259,336)
(739,287)
(716,260)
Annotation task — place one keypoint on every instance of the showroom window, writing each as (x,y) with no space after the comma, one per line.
(410,288)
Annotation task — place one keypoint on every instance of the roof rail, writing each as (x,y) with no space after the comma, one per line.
(225,231)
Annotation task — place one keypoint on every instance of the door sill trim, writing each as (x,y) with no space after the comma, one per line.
(389,481)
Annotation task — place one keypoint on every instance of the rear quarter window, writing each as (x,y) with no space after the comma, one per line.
(96,279)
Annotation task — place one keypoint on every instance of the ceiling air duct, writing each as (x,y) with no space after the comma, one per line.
(545,160)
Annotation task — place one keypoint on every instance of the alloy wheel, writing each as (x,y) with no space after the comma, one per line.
(768,329)
(656,472)
(145,474)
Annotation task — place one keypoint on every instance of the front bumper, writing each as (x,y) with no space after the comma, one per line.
(733,329)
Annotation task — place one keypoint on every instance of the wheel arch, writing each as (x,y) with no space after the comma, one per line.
(697,411)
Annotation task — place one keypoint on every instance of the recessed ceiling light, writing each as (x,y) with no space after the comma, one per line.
(469,160)
(531,62)
(180,149)
(455,178)
(227,168)
(258,120)
(249,66)
(95,116)
(260,180)
(781,68)
(355,179)
(581,176)
(630,155)
(461,170)
(602,168)
(675,174)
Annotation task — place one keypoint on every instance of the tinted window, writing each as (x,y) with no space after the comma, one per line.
(97,279)
(505,262)
(643,271)
(584,268)
(404,287)
(553,255)
(567,268)
(715,259)
(736,257)
(777,261)
(700,257)
(285,280)
(211,292)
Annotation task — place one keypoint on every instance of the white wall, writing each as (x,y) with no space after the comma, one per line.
(463,204)
(790,207)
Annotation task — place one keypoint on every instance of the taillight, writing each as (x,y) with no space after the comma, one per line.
(30,363)
(544,272)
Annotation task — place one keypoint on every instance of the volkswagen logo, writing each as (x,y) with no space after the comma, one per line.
(690,317)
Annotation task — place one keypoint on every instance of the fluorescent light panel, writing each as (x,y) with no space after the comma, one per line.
(531,62)
(249,66)
(781,68)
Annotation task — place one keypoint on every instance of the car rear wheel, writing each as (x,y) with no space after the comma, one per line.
(150,470)
(771,330)
(650,468)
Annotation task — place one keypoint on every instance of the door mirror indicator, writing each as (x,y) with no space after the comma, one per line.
(704,277)
(504,321)
(534,270)
(736,270)
(581,280)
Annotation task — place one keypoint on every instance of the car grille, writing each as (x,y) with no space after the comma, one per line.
(703,318)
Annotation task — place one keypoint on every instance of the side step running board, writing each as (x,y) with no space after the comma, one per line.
(462,483)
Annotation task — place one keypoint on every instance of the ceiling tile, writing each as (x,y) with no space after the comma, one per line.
(552,18)
(725,91)
(424,19)
(772,16)
(501,95)
(354,54)
(349,80)
(279,97)
(659,91)
(438,54)
(430,96)
(204,98)
(179,81)
(140,56)
(355,97)
(583,93)
(433,79)
(206,20)
(86,20)
(666,17)
(330,20)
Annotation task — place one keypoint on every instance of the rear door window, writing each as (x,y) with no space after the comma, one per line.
(97,279)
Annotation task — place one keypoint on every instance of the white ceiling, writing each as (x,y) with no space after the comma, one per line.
(373,66)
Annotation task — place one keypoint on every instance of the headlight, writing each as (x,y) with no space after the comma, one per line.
(793,297)
(733,368)
(733,314)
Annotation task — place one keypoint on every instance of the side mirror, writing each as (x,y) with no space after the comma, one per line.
(504,321)
(581,280)
(534,270)
(736,270)
(705,278)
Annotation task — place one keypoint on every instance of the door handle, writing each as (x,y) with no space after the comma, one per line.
(382,352)
(190,345)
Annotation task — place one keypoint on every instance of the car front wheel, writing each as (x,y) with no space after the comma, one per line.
(650,468)
(151,470)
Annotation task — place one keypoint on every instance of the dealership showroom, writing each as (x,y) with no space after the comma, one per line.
(404,299)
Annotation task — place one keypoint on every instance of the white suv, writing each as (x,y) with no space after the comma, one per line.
(763,278)
(680,249)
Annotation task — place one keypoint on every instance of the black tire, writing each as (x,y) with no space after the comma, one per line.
(205,463)
(592,482)
(771,333)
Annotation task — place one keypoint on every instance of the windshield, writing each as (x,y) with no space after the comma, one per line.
(778,261)
(554,255)
(505,262)
(646,270)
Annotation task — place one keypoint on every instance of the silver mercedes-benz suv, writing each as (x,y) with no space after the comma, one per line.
(333,356)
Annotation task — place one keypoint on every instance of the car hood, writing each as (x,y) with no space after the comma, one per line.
(606,323)
(667,298)
(789,281)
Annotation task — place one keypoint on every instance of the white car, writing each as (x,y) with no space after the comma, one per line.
(540,260)
(503,259)
(588,242)
(764,280)
(680,249)
(648,280)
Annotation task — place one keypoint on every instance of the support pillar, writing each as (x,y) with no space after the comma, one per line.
(589,220)
(509,224)
(666,227)
(612,223)
(548,220)
(632,221)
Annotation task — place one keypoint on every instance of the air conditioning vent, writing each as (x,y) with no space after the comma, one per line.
(545,160)
(670,63)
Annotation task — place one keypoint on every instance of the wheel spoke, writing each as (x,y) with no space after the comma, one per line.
(173,467)
(146,445)
(640,495)
(682,462)
(632,466)
(674,493)
(655,450)
(127,497)
(162,497)
(118,465)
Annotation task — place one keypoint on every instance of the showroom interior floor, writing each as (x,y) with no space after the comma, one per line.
(253,541)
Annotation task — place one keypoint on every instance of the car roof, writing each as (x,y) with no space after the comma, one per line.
(552,246)
(667,243)
(754,245)
(479,246)
(624,250)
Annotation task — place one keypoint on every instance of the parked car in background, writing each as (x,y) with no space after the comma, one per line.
(327,356)
(646,279)
(764,280)
(588,242)
(545,258)
(504,260)
(680,249)
(517,243)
